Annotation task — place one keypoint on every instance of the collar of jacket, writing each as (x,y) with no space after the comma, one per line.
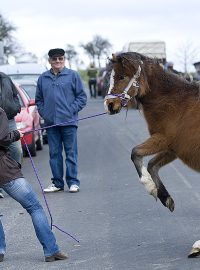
(64,71)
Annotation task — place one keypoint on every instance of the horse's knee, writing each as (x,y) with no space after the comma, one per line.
(137,161)
(133,154)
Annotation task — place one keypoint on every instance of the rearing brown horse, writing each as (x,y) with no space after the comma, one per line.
(171,107)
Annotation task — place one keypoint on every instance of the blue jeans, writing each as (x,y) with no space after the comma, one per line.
(21,191)
(59,137)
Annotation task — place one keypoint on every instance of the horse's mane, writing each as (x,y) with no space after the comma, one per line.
(171,83)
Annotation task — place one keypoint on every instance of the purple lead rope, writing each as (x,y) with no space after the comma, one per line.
(36,173)
(67,122)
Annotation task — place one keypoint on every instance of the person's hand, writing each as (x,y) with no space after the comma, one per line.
(21,134)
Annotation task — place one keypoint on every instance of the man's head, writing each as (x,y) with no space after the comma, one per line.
(170,65)
(57,59)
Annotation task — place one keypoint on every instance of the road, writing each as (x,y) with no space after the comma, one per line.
(119,226)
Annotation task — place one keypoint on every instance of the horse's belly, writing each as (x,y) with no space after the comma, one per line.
(191,161)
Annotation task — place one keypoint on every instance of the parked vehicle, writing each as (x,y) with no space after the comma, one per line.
(23,71)
(30,87)
(28,120)
(100,82)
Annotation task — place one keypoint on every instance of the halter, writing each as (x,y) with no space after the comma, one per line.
(124,96)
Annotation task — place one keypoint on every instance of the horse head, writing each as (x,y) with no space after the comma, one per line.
(127,80)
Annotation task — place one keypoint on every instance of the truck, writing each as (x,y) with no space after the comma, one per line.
(153,49)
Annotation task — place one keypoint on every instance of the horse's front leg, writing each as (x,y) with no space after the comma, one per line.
(155,144)
(154,165)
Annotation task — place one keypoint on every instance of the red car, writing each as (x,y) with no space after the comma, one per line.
(27,120)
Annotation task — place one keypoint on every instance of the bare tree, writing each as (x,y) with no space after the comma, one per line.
(11,45)
(90,50)
(71,54)
(97,48)
(102,47)
(187,54)
(6,28)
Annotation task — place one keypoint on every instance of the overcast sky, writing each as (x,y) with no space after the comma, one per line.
(42,25)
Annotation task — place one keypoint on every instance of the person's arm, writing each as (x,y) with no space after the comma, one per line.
(6,136)
(16,98)
(39,100)
(81,97)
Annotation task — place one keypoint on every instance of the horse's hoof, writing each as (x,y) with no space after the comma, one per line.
(195,250)
(170,204)
(194,253)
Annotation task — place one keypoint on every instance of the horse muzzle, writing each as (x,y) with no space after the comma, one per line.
(112,106)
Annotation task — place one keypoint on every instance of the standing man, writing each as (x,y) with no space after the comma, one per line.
(170,67)
(92,80)
(59,97)
(9,102)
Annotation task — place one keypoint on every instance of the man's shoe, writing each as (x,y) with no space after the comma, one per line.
(1,257)
(56,257)
(52,188)
(74,189)
(1,195)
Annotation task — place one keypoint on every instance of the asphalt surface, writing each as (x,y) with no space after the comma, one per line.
(118,224)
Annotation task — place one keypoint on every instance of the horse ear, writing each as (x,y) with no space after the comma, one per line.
(114,57)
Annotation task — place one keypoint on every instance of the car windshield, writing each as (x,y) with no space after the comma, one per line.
(21,101)
(30,89)
(32,77)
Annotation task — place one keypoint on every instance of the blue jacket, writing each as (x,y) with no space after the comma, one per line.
(60,97)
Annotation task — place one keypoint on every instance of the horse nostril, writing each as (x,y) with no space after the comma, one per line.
(110,107)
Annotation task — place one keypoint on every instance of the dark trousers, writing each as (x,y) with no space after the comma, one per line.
(92,86)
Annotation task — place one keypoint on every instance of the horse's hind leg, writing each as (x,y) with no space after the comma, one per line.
(154,165)
(155,144)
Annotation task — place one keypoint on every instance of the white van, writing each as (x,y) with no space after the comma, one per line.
(24,71)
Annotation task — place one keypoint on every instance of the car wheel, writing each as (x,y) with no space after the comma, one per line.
(32,148)
(39,143)
(25,154)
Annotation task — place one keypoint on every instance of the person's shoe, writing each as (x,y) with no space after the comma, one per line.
(1,257)
(74,189)
(52,188)
(1,195)
(56,257)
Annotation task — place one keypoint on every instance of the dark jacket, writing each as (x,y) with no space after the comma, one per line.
(9,168)
(9,100)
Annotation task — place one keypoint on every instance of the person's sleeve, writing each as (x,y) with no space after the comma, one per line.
(39,100)
(6,137)
(16,98)
(81,97)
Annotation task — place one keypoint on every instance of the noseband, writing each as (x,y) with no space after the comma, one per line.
(124,96)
